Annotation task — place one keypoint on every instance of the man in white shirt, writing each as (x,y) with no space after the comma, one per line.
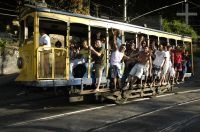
(115,61)
(159,64)
(44,39)
(46,43)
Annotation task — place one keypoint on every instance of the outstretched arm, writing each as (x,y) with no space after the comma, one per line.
(114,45)
(95,52)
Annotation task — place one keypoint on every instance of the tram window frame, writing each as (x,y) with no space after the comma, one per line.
(22,34)
(78,33)
(54,27)
(29,30)
(130,37)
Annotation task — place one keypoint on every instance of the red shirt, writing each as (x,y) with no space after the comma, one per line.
(178,56)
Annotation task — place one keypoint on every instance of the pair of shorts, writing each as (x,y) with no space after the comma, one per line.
(98,70)
(137,70)
(156,70)
(115,71)
(171,71)
(165,69)
(178,66)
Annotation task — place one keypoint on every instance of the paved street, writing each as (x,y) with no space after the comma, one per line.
(164,113)
(178,111)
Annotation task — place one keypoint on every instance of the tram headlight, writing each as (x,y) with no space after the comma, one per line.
(20,62)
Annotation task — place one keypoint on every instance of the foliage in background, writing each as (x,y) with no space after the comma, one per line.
(75,6)
(179,27)
(2,43)
(80,7)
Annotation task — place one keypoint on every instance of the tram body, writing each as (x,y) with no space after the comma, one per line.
(66,26)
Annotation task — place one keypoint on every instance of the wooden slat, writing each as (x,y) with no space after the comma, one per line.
(92,91)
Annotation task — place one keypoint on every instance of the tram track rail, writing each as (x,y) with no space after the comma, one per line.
(168,128)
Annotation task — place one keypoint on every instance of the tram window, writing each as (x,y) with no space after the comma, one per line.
(78,36)
(55,29)
(163,41)
(129,37)
(98,33)
(21,32)
(55,39)
(52,26)
(28,30)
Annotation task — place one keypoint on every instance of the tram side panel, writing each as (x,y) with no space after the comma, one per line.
(25,62)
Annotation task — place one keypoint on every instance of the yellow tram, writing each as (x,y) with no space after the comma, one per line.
(69,28)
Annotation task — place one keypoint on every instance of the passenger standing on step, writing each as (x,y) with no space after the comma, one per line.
(136,72)
(158,63)
(99,57)
(117,54)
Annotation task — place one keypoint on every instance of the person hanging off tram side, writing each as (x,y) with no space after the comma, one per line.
(186,65)
(131,52)
(99,57)
(160,66)
(136,72)
(178,52)
(171,70)
(117,55)
(77,65)
(165,67)
(46,44)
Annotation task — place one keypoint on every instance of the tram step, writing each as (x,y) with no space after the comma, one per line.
(135,91)
(147,89)
(134,96)
(147,94)
(92,91)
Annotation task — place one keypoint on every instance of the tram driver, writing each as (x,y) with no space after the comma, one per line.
(46,44)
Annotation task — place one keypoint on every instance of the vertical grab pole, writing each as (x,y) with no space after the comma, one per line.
(89,57)
(136,40)
(168,41)
(176,42)
(67,67)
(192,57)
(36,45)
(158,40)
(148,40)
(107,52)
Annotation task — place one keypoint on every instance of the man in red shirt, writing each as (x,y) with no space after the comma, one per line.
(178,54)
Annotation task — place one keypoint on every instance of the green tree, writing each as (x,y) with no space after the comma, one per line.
(179,27)
(75,6)
(2,43)
(80,6)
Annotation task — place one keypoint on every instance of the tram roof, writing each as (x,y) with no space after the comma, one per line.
(139,29)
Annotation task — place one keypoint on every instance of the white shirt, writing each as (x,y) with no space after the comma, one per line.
(45,39)
(116,58)
(167,55)
(160,56)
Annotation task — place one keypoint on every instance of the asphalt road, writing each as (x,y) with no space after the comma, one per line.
(171,112)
